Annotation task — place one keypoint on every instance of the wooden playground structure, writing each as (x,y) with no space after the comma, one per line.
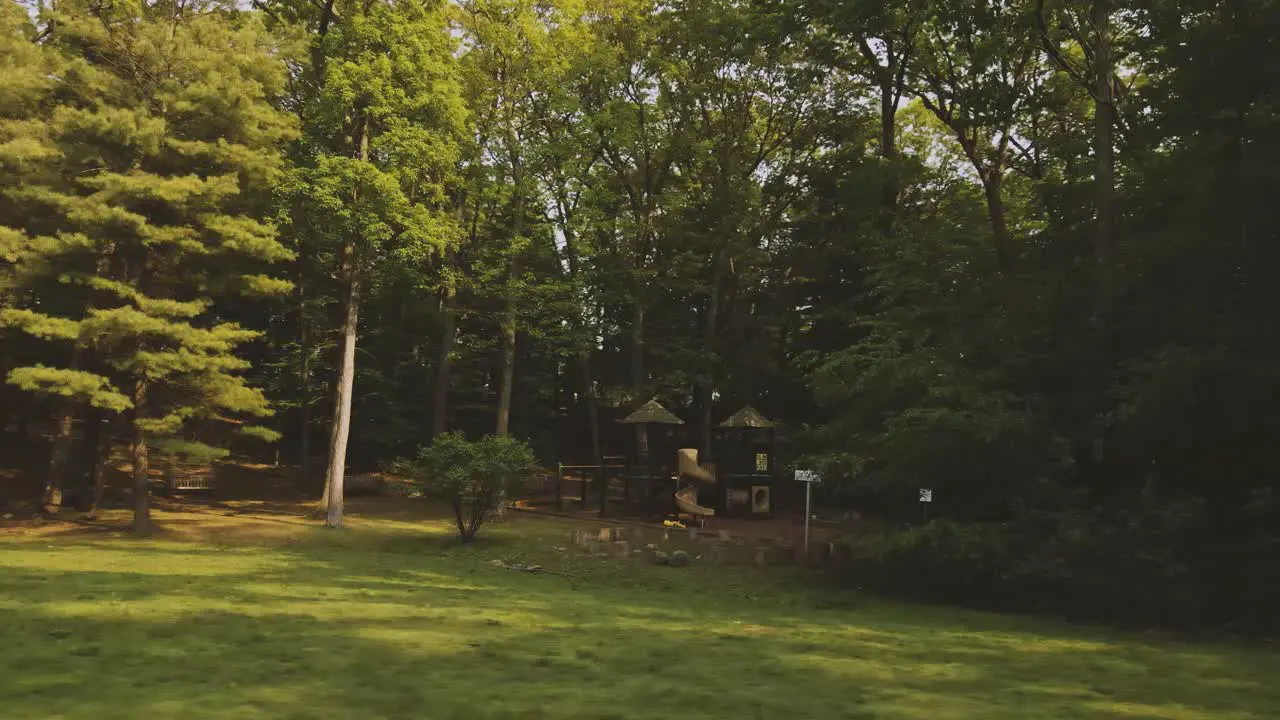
(738,482)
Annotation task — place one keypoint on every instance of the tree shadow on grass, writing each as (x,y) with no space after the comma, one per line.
(299,663)
(113,661)
(344,625)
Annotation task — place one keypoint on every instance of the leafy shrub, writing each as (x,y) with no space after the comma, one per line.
(475,477)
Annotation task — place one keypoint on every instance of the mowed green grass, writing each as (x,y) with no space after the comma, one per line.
(392,619)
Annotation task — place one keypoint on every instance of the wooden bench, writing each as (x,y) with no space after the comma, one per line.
(199,481)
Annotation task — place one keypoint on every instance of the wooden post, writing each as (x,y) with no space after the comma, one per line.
(604,488)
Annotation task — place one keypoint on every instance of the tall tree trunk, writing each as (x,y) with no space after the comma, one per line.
(55,479)
(592,403)
(582,327)
(448,332)
(888,151)
(992,182)
(97,452)
(1104,148)
(506,377)
(304,378)
(341,430)
(506,374)
(709,323)
(637,376)
(141,462)
(890,80)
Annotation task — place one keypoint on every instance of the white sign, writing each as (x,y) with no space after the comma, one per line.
(926,495)
(807,476)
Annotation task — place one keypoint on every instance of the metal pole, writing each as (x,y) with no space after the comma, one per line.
(808,488)
(559,496)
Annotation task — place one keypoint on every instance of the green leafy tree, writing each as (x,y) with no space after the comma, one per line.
(519,61)
(977,69)
(382,116)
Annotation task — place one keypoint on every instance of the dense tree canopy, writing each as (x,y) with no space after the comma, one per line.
(1018,251)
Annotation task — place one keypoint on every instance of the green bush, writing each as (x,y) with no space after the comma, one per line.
(476,477)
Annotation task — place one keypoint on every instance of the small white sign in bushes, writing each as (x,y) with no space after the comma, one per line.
(808,477)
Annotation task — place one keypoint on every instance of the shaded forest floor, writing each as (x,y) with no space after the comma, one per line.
(249,609)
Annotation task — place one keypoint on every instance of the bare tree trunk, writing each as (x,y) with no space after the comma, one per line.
(710,321)
(1104,149)
(51,500)
(888,151)
(341,430)
(582,326)
(304,378)
(890,81)
(637,376)
(992,181)
(98,449)
(507,374)
(141,462)
(592,403)
(448,332)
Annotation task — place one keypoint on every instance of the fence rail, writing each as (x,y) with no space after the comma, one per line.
(586,474)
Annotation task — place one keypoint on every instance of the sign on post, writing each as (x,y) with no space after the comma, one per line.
(926,495)
(808,477)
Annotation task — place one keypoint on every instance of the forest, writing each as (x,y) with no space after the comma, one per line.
(1016,251)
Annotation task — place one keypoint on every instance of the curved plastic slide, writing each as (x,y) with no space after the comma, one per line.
(687,501)
(688,467)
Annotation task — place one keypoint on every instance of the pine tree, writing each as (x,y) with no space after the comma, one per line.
(26,156)
(165,138)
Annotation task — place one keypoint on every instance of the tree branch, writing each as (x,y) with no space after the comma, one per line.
(1055,52)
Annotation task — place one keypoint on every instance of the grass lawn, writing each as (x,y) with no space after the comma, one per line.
(263,615)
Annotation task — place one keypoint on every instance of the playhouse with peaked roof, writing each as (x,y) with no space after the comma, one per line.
(745,448)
